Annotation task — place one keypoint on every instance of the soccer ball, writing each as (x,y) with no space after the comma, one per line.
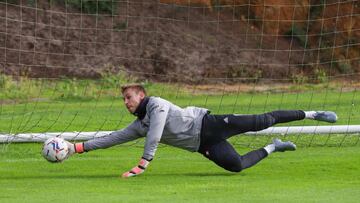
(55,150)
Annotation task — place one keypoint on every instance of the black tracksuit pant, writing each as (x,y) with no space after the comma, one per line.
(217,128)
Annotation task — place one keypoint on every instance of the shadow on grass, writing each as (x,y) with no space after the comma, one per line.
(96,176)
(58,176)
(209,174)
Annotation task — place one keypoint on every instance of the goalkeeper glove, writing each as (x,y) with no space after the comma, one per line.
(75,148)
(137,170)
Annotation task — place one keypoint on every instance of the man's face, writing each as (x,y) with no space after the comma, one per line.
(132,99)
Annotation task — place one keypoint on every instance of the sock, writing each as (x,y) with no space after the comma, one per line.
(270,148)
(310,114)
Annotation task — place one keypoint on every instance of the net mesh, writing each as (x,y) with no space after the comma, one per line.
(62,61)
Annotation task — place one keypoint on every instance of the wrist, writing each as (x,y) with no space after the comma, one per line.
(143,163)
(79,147)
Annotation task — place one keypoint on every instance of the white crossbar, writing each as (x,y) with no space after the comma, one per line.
(40,137)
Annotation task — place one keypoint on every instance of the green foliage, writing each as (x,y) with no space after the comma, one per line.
(299,34)
(11,1)
(345,67)
(86,6)
(94,6)
(241,71)
(217,5)
(31,3)
(23,88)
(74,89)
(120,26)
(4,80)
(320,75)
(316,8)
(20,88)
(113,77)
(299,78)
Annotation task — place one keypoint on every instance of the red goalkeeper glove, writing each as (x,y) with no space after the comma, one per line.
(137,170)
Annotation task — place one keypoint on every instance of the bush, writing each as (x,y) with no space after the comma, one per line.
(11,1)
(93,6)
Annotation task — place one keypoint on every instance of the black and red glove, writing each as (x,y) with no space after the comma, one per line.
(137,170)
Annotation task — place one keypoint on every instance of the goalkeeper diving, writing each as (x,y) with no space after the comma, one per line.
(194,129)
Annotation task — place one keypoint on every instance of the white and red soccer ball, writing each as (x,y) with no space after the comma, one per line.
(55,149)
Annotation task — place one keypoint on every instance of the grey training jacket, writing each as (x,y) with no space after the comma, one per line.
(164,122)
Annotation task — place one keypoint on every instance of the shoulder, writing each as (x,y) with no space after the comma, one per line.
(157,103)
(156,99)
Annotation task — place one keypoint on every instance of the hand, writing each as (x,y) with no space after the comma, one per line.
(71,147)
(74,148)
(137,170)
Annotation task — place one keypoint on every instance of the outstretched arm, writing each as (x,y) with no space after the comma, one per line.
(117,137)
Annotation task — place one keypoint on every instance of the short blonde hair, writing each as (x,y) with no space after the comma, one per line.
(136,86)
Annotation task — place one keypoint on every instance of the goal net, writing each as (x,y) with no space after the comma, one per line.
(62,63)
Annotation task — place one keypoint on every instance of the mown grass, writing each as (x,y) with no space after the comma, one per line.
(316,174)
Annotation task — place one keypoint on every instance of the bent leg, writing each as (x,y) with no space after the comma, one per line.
(224,155)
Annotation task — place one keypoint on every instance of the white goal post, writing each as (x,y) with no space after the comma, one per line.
(77,136)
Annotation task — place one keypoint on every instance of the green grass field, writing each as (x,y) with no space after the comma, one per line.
(316,174)
(311,174)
